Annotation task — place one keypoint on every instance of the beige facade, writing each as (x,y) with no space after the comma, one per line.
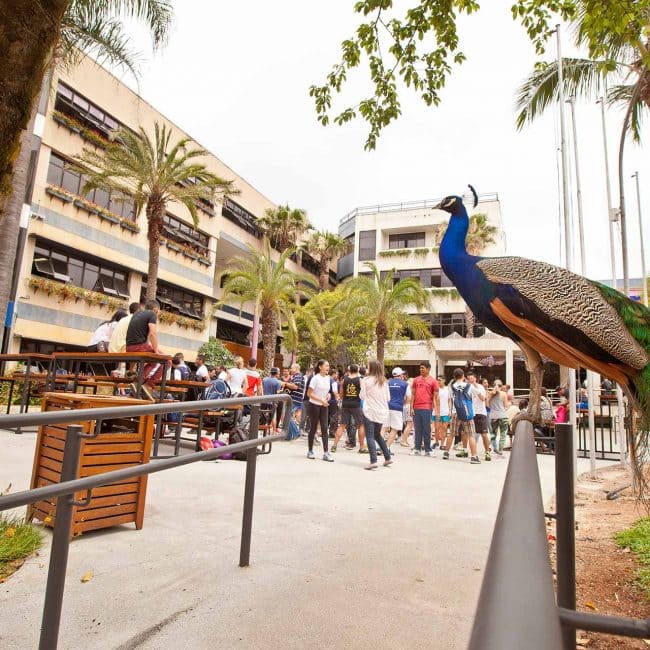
(404,238)
(85,256)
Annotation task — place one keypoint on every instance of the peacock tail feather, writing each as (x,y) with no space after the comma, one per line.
(636,318)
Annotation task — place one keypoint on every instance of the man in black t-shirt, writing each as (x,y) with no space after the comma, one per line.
(142,336)
(350,393)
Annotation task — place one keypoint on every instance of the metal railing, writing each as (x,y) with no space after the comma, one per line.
(70,484)
(406,205)
(517,607)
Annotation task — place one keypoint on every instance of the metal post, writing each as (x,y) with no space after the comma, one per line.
(511,614)
(643,266)
(249,490)
(60,543)
(591,405)
(612,214)
(581,230)
(565,526)
(622,434)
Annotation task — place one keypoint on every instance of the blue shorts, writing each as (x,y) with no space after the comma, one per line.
(441,418)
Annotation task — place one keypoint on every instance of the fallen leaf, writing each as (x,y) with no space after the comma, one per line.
(47,520)
(583,641)
(10,532)
(591,606)
(616,596)
(646,641)
(419,580)
(87,577)
(551,538)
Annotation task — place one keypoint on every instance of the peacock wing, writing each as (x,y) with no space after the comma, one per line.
(567,299)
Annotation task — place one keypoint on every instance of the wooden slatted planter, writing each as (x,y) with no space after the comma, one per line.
(121,443)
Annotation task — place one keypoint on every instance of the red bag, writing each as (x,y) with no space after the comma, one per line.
(205,443)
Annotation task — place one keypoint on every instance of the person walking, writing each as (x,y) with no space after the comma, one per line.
(375,395)
(479,398)
(333,409)
(400,396)
(272,385)
(318,393)
(499,404)
(351,409)
(425,399)
(463,419)
(443,416)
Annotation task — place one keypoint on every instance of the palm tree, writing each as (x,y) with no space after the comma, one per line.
(270,286)
(284,226)
(86,27)
(621,67)
(388,304)
(153,173)
(479,235)
(324,246)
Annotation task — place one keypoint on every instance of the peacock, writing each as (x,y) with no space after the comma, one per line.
(553,312)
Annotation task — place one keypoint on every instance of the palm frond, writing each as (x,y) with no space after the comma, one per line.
(156,15)
(83,33)
(621,96)
(582,78)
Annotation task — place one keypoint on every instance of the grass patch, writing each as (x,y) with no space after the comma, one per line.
(637,539)
(17,541)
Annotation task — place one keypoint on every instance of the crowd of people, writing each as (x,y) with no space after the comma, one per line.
(372,410)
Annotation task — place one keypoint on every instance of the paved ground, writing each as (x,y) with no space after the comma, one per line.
(341,558)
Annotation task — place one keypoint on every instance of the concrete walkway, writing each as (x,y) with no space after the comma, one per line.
(341,557)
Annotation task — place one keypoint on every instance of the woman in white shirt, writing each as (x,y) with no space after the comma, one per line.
(375,395)
(238,378)
(319,400)
(102,335)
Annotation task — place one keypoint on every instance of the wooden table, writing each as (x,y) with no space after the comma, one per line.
(42,361)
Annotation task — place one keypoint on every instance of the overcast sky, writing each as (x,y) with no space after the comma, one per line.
(235,76)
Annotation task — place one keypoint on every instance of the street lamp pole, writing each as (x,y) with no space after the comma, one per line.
(643,268)
(568,240)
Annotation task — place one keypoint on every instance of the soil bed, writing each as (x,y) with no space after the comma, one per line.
(605,573)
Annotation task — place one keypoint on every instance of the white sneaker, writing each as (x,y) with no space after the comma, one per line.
(311,455)
(429,454)
(415,452)
(328,457)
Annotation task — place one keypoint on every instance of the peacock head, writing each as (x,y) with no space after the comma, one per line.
(454,204)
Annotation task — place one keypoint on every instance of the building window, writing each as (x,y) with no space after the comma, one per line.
(240,216)
(61,174)
(443,325)
(406,240)
(233,332)
(367,245)
(183,233)
(176,299)
(79,108)
(439,279)
(57,263)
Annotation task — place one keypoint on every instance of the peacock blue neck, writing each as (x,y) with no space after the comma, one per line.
(453,254)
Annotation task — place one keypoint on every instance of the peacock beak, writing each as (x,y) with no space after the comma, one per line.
(438,206)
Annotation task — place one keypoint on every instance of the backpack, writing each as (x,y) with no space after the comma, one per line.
(217,389)
(462,402)
(238,435)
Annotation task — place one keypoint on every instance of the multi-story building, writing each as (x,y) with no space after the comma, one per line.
(84,255)
(404,238)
